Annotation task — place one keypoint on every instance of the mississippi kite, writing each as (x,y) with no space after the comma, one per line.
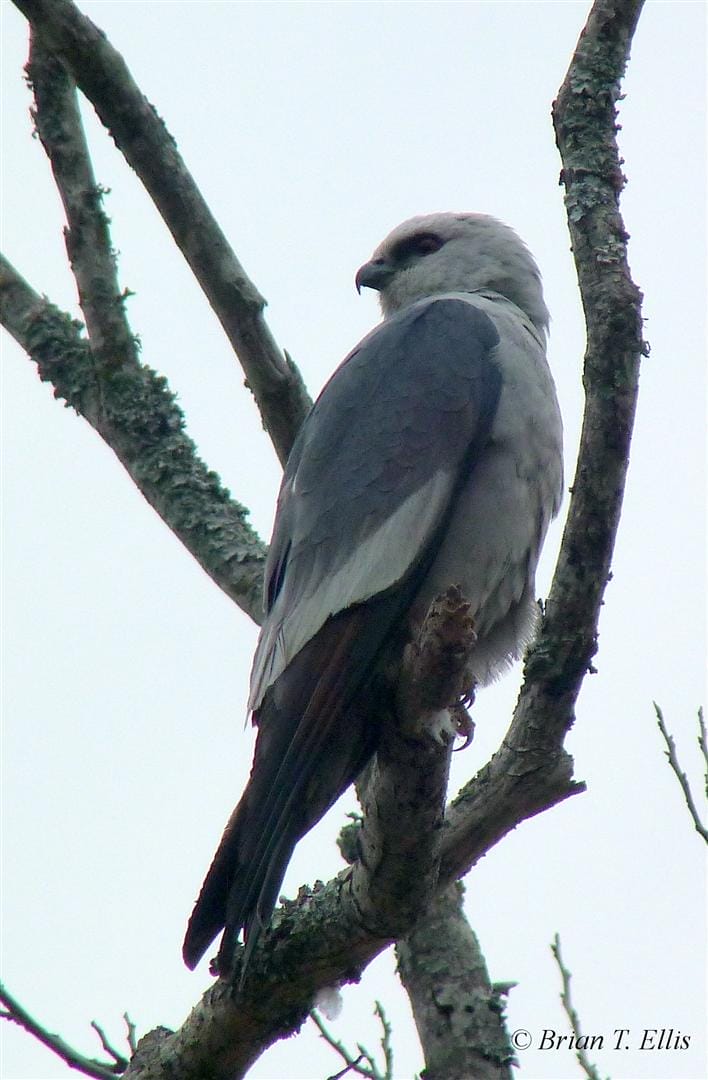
(432,457)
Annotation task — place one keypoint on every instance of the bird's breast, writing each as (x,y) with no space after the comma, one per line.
(499,520)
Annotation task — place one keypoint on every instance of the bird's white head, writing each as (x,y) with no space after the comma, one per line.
(448,252)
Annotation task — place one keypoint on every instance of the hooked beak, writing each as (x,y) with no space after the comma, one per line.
(374,275)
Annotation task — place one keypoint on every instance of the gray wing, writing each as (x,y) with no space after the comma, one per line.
(374,470)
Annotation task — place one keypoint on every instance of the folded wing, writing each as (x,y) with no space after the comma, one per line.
(367,493)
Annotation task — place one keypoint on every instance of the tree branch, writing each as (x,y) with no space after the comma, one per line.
(127,403)
(88,1066)
(459,1016)
(130,1033)
(121,1062)
(586,1065)
(330,933)
(403,790)
(134,411)
(678,771)
(364,1064)
(703,745)
(103,76)
(88,244)
(531,771)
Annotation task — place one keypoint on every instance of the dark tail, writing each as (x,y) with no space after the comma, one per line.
(315,734)
(209,914)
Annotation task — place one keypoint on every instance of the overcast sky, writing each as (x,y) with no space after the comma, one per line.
(312,129)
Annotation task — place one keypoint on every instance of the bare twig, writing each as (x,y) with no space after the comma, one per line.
(703,744)
(679,773)
(139,132)
(352,1064)
(88,1066)
(120,1061)
(138,417)
(130,1035)
(586,1065)
(347,1069)
(356,1064)
(386,1046)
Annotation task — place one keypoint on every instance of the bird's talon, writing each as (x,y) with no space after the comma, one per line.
(464,725)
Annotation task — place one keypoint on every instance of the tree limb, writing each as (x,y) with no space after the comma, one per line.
(88,244)
(586,1065)
(140,133)
(403,790)
(135,412)
(458,1014)
(329,933)
(531,771)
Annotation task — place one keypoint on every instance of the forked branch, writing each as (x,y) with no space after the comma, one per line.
(100,1070)
(137,414)
(141,135)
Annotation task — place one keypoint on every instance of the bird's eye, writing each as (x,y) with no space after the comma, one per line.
(424,243)
(427,243)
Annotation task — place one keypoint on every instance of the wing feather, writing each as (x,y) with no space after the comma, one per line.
(374,468)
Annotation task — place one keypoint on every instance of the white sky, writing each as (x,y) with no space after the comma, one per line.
(312,129)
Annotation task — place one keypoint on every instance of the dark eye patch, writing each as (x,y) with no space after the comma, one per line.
(423,243)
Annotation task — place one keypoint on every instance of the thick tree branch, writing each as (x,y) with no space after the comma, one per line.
(403,800)
(330,933)
(87,236)
(133,409)
(459,1015)
(531,770)
(103,76)
(127,403)
(403,791)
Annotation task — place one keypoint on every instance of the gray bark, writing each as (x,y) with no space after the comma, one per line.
(139,132)
(459,1015)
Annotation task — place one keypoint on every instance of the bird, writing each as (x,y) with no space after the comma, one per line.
(432,457)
